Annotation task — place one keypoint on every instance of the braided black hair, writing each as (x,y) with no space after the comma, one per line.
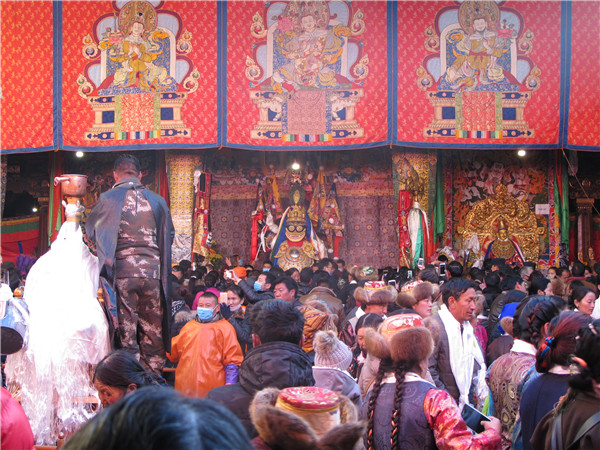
(383,365)
(586,360)
(587,349)
(400,372)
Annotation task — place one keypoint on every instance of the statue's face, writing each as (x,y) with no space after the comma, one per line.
(503,234)
(295,232)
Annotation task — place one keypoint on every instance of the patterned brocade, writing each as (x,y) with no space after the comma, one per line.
(504,379)
(449,428)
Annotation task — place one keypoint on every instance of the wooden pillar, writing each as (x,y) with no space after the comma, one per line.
(584,227)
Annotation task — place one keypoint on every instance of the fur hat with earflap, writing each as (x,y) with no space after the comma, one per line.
(287,427)
(408,340)
(375,293)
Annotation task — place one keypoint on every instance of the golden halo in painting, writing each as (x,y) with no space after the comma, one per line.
(137,11)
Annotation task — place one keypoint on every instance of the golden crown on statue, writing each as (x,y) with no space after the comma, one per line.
(296,215)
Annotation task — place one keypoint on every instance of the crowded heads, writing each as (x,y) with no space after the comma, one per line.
(459,297)
(277,320)
(156,418)
(285,289)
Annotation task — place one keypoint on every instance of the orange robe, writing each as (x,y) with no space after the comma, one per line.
(203,350)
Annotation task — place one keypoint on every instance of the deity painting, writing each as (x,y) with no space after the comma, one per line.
(307,70)
(478,77)
(136,58)
(138,78)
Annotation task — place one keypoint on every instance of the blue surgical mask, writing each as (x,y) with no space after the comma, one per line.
(266,269)
(205,313)
(240,262)
(257,286)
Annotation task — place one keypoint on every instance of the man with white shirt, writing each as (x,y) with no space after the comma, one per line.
(452,364)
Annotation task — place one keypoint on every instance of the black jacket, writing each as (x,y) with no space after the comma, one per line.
(274,364)
(252,296)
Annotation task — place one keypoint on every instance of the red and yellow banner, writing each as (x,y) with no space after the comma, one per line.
(135,74)
(475,72)
(584,83)
(27,99)
(323,75)
(301,74)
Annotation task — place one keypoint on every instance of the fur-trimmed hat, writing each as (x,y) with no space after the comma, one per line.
(364,273)
(283,428)
(330,351)
(406,340)
(415,291)
(375,293)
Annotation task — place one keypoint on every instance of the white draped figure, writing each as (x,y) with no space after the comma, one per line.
(67,335)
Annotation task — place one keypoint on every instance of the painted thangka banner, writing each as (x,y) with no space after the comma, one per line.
(302,73)
(479,72)
(584,100)
(26,94)
(322,75)
(139,74)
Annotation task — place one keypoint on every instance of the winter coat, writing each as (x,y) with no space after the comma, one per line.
(203,351)
(273,364)
(16,431)
(440,368)
(496,309)
(580,409)
(243,329)
(338,381)
(327,296)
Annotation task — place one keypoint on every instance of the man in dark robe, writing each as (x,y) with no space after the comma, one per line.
(132,231)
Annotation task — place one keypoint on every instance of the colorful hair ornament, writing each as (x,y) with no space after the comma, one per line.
(545,348)
(578,360)
(550,341)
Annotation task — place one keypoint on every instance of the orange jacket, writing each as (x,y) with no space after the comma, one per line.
(203,350)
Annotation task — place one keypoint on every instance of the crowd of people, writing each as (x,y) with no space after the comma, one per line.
(329,356)
(398,359)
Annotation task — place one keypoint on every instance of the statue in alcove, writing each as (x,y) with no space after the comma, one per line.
(296,245)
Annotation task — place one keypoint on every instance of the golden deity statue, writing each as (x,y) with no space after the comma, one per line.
(505,228)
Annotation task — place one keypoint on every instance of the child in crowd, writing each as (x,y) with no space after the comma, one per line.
(206,349)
